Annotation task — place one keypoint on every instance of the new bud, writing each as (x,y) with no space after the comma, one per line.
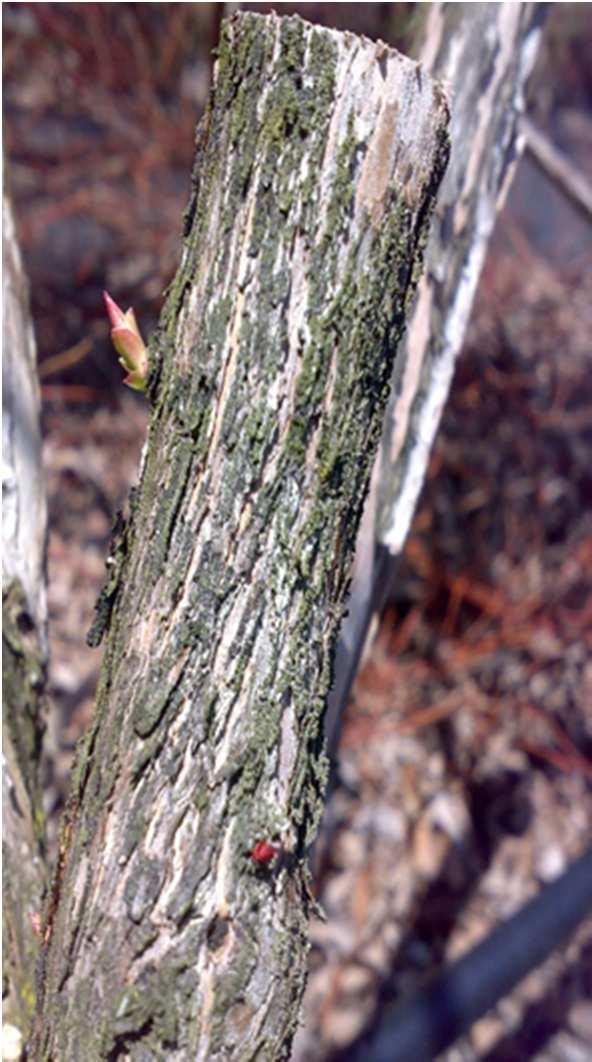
(126,338)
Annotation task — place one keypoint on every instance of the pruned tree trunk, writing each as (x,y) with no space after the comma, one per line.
(483,54)
(317,166)
(24,642)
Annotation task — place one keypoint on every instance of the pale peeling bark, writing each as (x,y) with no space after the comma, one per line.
(24,522)
(24,642)
(317,165)
(483,55)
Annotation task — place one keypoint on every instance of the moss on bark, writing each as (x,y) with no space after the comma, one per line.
(270,376)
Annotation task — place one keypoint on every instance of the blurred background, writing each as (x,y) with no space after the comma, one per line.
(466,751)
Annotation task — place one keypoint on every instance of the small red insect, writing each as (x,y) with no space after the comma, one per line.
(263,853)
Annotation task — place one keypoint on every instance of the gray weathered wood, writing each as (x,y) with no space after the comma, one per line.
(317,166)
(24,523)
(483,55)
(24,641)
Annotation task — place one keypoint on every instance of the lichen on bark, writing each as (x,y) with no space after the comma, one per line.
(317,165)
(23,877)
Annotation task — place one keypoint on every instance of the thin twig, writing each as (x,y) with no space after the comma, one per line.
(558,168)
(65,359)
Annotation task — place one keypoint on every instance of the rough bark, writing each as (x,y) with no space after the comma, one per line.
(483,54)
(316,169)
(24,644)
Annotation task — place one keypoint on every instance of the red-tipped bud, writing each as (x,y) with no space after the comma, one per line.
(128,342)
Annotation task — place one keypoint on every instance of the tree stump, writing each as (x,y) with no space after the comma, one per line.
(176,925)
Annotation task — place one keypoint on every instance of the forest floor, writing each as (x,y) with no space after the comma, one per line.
(466,751)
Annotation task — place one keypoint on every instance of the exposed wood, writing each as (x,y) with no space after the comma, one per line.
(317,167)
